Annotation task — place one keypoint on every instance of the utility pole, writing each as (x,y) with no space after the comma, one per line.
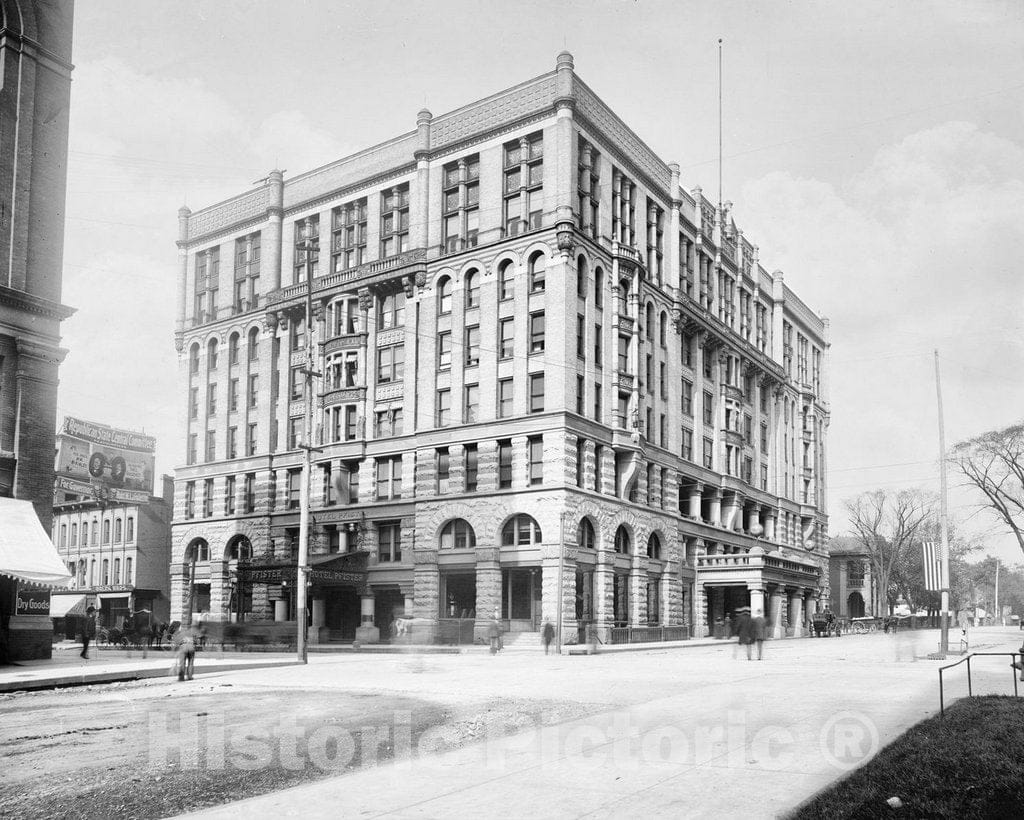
(310,245)
(998,613)
(561,571)
(944,551)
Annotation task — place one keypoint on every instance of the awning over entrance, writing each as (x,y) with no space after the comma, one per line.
(26,552)
(62,606)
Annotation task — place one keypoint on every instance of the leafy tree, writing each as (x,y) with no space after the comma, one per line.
(993,463)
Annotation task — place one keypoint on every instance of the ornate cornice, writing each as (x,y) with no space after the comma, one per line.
(30,303)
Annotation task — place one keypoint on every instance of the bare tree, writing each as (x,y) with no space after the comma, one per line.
(887,524)
(994,464)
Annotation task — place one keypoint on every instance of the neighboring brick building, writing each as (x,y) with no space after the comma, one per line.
(528,335)
(35,84)
(851,581)
(118,556)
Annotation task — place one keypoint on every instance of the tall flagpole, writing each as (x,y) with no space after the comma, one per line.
(719,125)
(944,550)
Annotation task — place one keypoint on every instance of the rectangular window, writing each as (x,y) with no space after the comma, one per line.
(764,438)
(351,469)
(470,455)
(233,395)
(348,235)
(748,430)
(211,445)
(687,350)
(623,362)
(687,398)
(211,399)
(390,363)
(307,251)
(506,340)
(190,503)
(764,476)
(597,347)
(663,380)
(249,499)
(471,403)
(207,498)
(686,450)
(504,398)
(443,470)
(537,332)
(444,408)
(663,430)
(193,403)
(327,485)
(598,466)
(504,464)
(232,442)
(581,336)
(535,444)
(597,401)
(294,488)
(391,310)
(389,542)
(254,383)
(444,351)
(472,346)
(709,449)
(581,396)
(394,221)
(389,478)
(351,422)
(295,431)
(250,439)
(536,392)
(709,410)
(298,384)
(581,454)
(229,495)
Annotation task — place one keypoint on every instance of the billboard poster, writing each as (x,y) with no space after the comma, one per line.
(104,462)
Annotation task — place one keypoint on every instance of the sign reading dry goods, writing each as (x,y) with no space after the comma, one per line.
(105,462)
(33,601)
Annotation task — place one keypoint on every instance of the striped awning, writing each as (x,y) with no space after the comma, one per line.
(26,552)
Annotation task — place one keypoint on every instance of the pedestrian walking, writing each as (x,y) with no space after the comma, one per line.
(185,659)
(757,627)
(742,628)
(547,634)
(88,630)
(494,633)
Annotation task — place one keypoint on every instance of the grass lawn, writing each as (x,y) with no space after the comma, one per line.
(971,764)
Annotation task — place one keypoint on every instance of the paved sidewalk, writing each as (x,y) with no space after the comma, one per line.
(726,737)
(67,668)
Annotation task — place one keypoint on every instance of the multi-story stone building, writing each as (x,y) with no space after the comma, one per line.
(537,357)
(118,556)
(851,581)
(35,89)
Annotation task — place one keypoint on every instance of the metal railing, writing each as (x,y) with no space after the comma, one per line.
(970,686)
(648,634)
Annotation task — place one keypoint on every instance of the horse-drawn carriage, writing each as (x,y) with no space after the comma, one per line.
(138,630)
(825,624)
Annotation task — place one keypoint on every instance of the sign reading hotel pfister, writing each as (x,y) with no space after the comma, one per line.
(105,462)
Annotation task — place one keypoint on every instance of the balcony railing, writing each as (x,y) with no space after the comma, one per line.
(648,634)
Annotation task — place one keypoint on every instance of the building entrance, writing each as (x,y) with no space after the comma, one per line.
(520,599)
(341,612)
(458,595)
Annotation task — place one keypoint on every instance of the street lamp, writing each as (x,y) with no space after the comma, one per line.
(310,244)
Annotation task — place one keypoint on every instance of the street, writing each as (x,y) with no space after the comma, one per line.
(694,731)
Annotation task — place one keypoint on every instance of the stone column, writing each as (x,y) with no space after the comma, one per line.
(696,495)
(319,620)
(366,632)
(769,525)
(280,610)
(753,518)
(716,507)
(270,250)
(426,585)
(796,616)
(674,276)
(757,600)
(549,591)
(776,627)
(488,589)
(604,593)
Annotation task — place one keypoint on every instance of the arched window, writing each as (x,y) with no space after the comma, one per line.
(117,530)
(623,297)
(581,277)
(198,551)
(444,295)
(233,349)
(82,566)
(457,534)
(95,532)
(472,288)
(586,538)
(193,359)
(117,571)
(106,531)
(63,535)
(128,570)
(538,270)
(650,321)
(211,355)
(131,529)
(622,540)
(105,572)
(74,534)
(239,549)
(654,547)
(506,280)
(519,531)
(663,329)
(254,344)
(598,287)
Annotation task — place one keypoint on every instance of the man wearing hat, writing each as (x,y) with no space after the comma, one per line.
(744,630)
(88,630)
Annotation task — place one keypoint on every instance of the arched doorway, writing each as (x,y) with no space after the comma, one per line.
(855,605)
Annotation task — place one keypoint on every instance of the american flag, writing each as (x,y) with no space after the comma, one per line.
(932,567)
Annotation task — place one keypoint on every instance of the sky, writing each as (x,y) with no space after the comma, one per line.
(874,151)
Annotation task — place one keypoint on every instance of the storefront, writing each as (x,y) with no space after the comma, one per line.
(29,569)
